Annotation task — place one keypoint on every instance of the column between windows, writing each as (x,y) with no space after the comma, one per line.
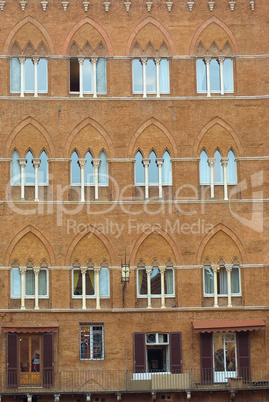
(36,163)
(82,163)
(23,273)
(36,272)
(162,271)
(229,268)
(211,162)
(22,162)
(35,60)
(149,271)
(146,162)
(96,163)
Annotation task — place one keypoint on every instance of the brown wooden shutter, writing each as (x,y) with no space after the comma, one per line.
(206,350)
(48,359)
(175,352)
(12,360)
(139,352)
(243,355)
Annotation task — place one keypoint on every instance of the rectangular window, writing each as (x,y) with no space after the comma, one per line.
(92,345)
(155,281)
(90,277)
(222,283)
(88,76)
(43,283)
(215,76)
(28,78)
(151,77)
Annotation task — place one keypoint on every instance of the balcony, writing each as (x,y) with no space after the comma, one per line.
(120,381)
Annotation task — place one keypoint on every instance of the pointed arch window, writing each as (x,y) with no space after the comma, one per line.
(167,169)
(89,172)
(204,168)
(75,169)
(43,169)
(103,170)
(218,168)
(139,169)
(151,76)
(231,168)
(29,169)
(153,169)
(15,169)
(28,75)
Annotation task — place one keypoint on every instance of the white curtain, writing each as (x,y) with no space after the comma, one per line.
(89,171)
(15,282)
(169,276)
(164,77)
(231,169)
(218,169)
(29,75)
(151,78)
(204,168)
(201,75)
(15,75)
(228,76)
(101,76)
(42,76)
(222,280)
(104,282)
(43,169)
(153,169)
(42,282)
(103,170)
(29,283)
(137,77)
(15,169)
(214,75)
(75,169)
(167,169)
(87,73)
(29,169)
(208,281)
(139,169)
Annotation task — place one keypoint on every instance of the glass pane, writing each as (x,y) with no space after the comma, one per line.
(142,282)
(151,82)
(42,282)
(15,169)
(97,343)
(15,282)
(153,169)
(155,280)
(89,171)
(90,283)
(75,169)
(87,76)
(230,358)
(235,280)
(169,281)
(167,169)
(139,169)
(24,353)
(43,169)
(29,75)
(228,76)
(74,75)
(164,76)
(201,75)
(204,168)
(29,283)
(85,342)
(231,169)
(104,282)
(77,282)
(137,77)
(208,281)
(101,76)
(42,76)
(219,361)
(103,170)
(222,281)
(29,169)
(214,76)
(218,169)
(35,354)
(15,75)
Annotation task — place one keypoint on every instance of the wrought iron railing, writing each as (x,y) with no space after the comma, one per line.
(105,381)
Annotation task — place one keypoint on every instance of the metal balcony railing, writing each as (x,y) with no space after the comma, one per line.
(106,381)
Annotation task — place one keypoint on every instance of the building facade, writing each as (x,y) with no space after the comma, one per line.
(134,200)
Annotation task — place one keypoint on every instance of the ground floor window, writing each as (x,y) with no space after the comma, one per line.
(92,341)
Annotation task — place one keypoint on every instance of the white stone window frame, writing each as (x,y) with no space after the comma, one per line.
(35,91)
(143,61)
(208,90)
(91,338)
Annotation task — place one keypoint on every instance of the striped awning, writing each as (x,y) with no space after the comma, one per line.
(30,330)
(228,325)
